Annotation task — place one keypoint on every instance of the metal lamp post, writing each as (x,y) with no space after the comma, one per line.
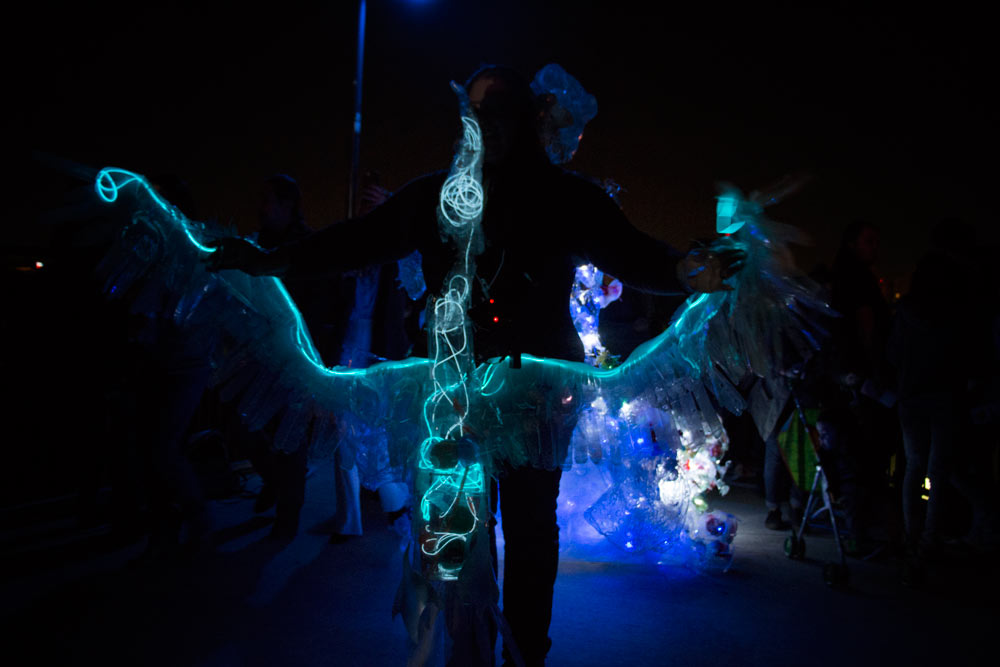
(356,133)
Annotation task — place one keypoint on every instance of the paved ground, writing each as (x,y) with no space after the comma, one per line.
(71,597)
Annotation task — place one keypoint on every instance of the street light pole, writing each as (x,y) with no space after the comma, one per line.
(356,134)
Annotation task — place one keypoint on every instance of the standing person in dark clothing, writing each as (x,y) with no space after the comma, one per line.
(865,429)
(169,371)
(540,222)
(374,330)
(856,294)
(282,221)
(939,342)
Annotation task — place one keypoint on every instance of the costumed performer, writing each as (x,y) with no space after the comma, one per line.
(540,222)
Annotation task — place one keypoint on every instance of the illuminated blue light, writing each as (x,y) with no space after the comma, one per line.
(587,297)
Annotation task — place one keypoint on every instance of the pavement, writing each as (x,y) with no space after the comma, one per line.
(73,594)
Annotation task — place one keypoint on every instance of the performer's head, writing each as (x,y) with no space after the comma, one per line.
(280,204)
(508,113)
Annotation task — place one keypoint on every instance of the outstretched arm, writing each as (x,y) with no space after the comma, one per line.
(240,254)
(609,241)
(705,268)
(389,232)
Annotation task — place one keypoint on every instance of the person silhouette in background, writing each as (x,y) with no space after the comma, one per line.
(281,220)
(373,331)
(939,343)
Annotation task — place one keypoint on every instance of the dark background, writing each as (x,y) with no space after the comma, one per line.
(887,111)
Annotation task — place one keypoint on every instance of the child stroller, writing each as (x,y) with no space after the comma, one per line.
(819,501)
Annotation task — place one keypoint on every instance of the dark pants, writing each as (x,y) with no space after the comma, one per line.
(175,493)
(778,484)
(285,474)
(929,426)
(527,499)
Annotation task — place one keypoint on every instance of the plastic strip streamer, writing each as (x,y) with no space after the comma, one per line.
(572,108)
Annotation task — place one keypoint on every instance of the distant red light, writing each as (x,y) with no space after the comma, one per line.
(496,319)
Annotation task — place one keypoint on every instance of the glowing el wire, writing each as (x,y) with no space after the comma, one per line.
(109,183)
(460,210)
(107,188)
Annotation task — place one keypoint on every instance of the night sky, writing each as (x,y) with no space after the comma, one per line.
(886,112)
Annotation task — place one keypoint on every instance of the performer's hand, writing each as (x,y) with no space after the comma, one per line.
(705,268)
(731,258)
(373,195)
(241,255)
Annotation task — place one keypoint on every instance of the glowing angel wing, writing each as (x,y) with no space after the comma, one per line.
(269,364)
